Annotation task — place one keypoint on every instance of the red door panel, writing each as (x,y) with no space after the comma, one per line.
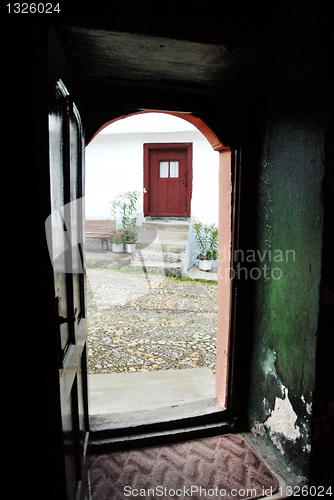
(168,177)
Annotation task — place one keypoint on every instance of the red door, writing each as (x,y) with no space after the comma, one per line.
(167,180)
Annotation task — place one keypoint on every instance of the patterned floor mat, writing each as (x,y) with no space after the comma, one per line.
(217,467)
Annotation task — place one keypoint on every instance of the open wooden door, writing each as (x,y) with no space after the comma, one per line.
(66,240)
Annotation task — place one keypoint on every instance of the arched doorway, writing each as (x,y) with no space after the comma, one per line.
(224,223)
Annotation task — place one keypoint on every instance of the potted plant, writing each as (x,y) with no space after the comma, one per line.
(130,238)
(117,242)
(207,239)
(123,209)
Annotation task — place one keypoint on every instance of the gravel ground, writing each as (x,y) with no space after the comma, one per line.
(147,322)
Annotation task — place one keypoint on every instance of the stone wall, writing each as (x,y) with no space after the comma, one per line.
(286,296)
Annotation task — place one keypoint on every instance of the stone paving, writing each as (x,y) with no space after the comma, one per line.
(145,321)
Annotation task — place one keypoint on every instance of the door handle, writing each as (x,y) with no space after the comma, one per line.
(62,319)
(69,319)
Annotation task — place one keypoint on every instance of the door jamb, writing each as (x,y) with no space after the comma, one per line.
(229,196)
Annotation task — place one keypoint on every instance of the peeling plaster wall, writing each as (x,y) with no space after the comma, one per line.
(289,217)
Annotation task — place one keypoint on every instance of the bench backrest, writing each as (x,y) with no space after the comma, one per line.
(101,226)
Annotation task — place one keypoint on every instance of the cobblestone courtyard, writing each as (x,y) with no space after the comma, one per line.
(147,322)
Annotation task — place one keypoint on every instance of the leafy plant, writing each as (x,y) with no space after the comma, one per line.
(124,206)
(117,238)
(129,235)
(207,240)
(123,209)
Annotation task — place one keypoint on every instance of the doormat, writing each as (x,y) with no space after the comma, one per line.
(223,467)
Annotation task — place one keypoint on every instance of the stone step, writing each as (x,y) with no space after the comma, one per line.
(167,226)
(159,246)
(173,235)
(150,255)
(149,236)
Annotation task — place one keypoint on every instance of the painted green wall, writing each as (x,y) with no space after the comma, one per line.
(289,217)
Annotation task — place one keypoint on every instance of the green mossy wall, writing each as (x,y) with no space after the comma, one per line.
(289,217)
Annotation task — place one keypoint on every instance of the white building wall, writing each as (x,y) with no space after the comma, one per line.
(114,164)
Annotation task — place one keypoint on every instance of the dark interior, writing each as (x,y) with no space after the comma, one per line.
(259,75)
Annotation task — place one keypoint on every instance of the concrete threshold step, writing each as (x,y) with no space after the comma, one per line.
(132,407)
(152,435)
(149,390)
(173,414)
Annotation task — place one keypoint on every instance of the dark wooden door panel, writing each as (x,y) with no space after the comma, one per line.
(67,230)
(77,210)
(57,126)
(71,441)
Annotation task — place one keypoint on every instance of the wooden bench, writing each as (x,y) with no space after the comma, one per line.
(101,230)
